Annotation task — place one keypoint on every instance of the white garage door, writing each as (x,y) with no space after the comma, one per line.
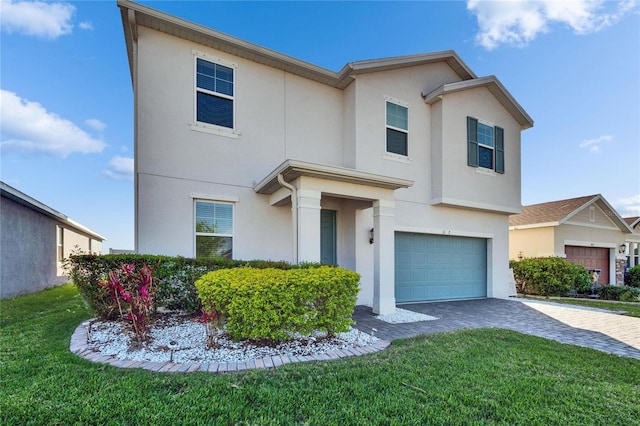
(438,267)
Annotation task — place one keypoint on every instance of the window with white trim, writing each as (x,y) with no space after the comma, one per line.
(397,128)
(60,243)
(214,93)
(213,229)
(485,144)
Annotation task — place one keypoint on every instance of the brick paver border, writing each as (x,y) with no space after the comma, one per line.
(79,346)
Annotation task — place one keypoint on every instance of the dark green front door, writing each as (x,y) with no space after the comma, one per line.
(328,237)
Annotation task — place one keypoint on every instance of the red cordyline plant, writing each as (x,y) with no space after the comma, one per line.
(134,290)
(212,320)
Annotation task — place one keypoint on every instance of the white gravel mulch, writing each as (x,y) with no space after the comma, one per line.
(403,316)
(182,339)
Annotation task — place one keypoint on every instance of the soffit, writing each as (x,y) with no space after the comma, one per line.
(293,169)
(154,19)
(496,88)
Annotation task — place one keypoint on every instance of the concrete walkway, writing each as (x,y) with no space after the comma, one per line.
(593,328)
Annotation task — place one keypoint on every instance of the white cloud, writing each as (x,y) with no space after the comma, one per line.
(27,127)
(95,124)
(518,22)
(120,168)
(85,25)
(37,18)
(628,206)
(594,145)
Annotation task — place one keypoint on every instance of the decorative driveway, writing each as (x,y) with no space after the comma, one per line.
(603,330)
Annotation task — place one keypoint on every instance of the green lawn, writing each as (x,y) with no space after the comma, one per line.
(631,309)
(466,377)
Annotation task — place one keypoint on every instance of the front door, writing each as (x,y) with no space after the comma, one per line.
(328,237)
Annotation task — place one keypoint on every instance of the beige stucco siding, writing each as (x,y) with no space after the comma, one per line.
(473,187)
(586,236)
(277,116)
(594,215)
(534,242)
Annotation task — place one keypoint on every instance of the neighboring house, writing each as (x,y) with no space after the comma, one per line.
(585,230)
(403,169)
(34,239)
(633,242)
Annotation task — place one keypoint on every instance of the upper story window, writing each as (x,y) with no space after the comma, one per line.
(485,145)
(214,229)
(214,93)
(397,128)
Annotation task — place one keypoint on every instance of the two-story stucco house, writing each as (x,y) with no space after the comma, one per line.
(404,169)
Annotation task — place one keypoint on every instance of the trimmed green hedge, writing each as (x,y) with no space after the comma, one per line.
(175,277)
(272,304)
(622,293)
(550,276)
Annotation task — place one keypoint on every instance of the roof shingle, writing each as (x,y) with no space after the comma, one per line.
(552,211)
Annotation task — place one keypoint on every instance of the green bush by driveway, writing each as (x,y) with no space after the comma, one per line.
(480,377)
(549,276)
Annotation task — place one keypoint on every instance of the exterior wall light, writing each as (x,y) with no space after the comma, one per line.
(371,236)
(622,248)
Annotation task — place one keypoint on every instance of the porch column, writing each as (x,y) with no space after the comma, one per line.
(309,225)
(384,300)
(632,255)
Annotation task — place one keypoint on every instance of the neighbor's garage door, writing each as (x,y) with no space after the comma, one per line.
(590,258)
(437,267)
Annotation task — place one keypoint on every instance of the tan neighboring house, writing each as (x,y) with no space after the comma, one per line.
(34,239)
(584,230)
(633,242)
(404,169)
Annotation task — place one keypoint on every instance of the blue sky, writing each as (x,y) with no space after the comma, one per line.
(66,133)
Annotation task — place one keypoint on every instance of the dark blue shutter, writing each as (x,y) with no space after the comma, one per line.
(472,141)
(499,132)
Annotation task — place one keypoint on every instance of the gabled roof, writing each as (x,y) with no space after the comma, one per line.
(19,197)
(632,221)
(555,213)
(495,87)
(134,15)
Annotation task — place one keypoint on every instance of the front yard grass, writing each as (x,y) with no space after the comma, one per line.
(484,376)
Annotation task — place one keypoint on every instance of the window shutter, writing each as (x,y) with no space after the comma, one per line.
(499,150)
(472,141)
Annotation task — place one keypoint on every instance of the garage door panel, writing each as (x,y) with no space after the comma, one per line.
(442,267)
(590,258)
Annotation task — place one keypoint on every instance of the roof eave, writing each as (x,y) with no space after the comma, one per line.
(494,86)
(292,169)
(35,205)
(134,14)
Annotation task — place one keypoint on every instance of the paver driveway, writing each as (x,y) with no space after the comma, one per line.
(588,327)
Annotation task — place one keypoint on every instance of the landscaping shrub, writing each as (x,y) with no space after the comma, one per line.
(633,277)
(133,292)
(175,276)
(622,293)
(550,276)
(272,304)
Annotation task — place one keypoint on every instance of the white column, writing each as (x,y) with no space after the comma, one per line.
(384,300)
(309,225)
(632,251)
